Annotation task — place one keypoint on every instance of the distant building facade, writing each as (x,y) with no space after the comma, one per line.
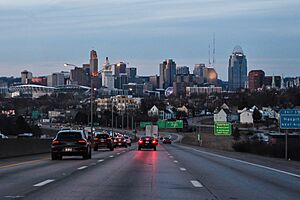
(182,70)
(167,72)
(256,79)
(26,77)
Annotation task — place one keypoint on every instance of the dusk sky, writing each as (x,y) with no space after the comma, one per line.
(42,35)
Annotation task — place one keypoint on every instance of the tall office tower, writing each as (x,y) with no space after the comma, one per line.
(120,68)
(107,75)
(56,79)
(93,63)
(154,80)
(199,70)
(167,72)
(131,72)
(237,69)
(26,77)
(182,70)
(79,76)
(256,79)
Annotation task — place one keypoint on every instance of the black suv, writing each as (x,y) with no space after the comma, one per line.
(103,140)
(70,143)
(148,142)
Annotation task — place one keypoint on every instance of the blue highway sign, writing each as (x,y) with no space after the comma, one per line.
(289,119)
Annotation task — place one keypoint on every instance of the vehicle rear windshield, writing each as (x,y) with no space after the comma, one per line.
(69,136)
(102,136)
(144,138)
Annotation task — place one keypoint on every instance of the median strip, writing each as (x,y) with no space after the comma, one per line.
(196,183)
(43,183)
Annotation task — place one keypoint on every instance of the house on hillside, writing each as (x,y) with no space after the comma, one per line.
(224,114)
(246,116)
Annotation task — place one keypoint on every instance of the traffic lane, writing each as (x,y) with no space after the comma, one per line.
(143,174)
(229,178)
(16,180)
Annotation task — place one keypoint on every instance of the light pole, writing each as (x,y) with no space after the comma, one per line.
(91,97)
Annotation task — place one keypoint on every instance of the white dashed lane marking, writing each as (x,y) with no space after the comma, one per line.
(83,167)
(111,156)
(196,183)
(182,169)
(43,183)
(175,161)
(100,160)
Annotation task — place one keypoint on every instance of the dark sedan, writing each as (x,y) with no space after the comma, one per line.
(167,140)
(147,142)
(70,143)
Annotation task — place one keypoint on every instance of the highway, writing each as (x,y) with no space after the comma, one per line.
(172,172)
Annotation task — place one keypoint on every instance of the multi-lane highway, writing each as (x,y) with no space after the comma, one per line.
(172,172)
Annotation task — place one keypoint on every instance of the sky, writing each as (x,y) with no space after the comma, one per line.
(40,36)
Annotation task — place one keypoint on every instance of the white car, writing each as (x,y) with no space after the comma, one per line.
(128,140)
(3,136)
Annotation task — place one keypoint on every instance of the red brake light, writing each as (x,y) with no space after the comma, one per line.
(115,141)
(81,141)
(55,142)
(96,138)
(154,142)
(124,140)
(140,141)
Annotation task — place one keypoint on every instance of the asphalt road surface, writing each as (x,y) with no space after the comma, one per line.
(172,172)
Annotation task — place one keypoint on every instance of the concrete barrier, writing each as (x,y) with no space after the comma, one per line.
(24,146)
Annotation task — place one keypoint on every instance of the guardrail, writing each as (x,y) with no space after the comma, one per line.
(24,146)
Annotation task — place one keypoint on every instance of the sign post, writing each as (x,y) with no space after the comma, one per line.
(289,119)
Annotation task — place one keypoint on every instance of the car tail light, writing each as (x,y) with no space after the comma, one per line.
(109,138)
(55,142)
(140,141)
(124,140)
(115,140)
(154,142)
(82,141)
(147,138)
(96,138)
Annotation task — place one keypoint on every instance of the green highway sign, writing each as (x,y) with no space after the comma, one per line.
(164,124)
(222,128)
(174,124)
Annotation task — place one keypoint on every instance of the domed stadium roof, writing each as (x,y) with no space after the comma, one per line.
(237,50)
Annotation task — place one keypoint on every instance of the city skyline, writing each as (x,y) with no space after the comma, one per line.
(41,36)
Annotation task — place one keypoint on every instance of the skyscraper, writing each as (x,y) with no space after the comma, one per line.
(120,68)
(26,77)
(199,70)
(256,79)
(237,69)
(93,63)
(182,70)
(107,76)
(167,72)
(79,77)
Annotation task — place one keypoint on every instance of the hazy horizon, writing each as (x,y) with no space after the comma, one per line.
(42,36)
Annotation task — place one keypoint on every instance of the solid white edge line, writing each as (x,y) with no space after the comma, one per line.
(196,183)
(83,167)
(100,160)
(43,183)
(182,169)
(248,163)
